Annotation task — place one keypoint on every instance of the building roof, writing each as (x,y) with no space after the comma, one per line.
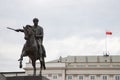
(84,59)
(20,72)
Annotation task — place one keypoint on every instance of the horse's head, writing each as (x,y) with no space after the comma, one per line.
(28,32)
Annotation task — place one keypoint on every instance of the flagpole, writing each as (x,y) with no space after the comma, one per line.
(106,41)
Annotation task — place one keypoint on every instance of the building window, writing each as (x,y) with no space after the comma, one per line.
(69,77)
(117,77)
(92,77)
(105,60)
(55,77)
(59,75)
(49,75)
(104,77)
(80,77)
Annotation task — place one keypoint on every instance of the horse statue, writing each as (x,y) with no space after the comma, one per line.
(30,49)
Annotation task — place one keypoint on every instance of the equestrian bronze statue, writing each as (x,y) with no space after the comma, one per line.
(33,47)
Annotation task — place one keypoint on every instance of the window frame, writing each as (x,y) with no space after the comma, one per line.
(117,77)
(80,76)
(68,77)
(91,77)
(104,77)
(55,77)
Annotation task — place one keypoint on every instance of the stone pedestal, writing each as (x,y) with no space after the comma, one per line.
(26,78)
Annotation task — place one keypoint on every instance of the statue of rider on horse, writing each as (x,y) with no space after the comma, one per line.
(33,48)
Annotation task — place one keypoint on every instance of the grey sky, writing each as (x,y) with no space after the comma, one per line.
(72,27)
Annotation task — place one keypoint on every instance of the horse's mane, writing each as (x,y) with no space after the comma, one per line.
(29,26)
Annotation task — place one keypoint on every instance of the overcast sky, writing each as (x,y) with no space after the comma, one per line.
(71,27)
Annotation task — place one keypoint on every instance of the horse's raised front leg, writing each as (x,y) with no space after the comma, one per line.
(20,66)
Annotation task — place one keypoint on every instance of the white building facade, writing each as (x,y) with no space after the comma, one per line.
(81,68)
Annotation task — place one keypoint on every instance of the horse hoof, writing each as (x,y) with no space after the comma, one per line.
(20,66)
(44,68)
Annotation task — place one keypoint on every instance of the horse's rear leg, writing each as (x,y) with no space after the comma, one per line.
(40,68)
(43,63)
(34,67)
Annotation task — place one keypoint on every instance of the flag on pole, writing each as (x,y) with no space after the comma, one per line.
(108,33)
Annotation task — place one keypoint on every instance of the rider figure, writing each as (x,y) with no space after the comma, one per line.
(38,36)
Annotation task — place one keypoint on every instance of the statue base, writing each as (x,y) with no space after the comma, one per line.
(26,78)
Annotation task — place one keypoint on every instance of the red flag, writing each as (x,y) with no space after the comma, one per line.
(108,33)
